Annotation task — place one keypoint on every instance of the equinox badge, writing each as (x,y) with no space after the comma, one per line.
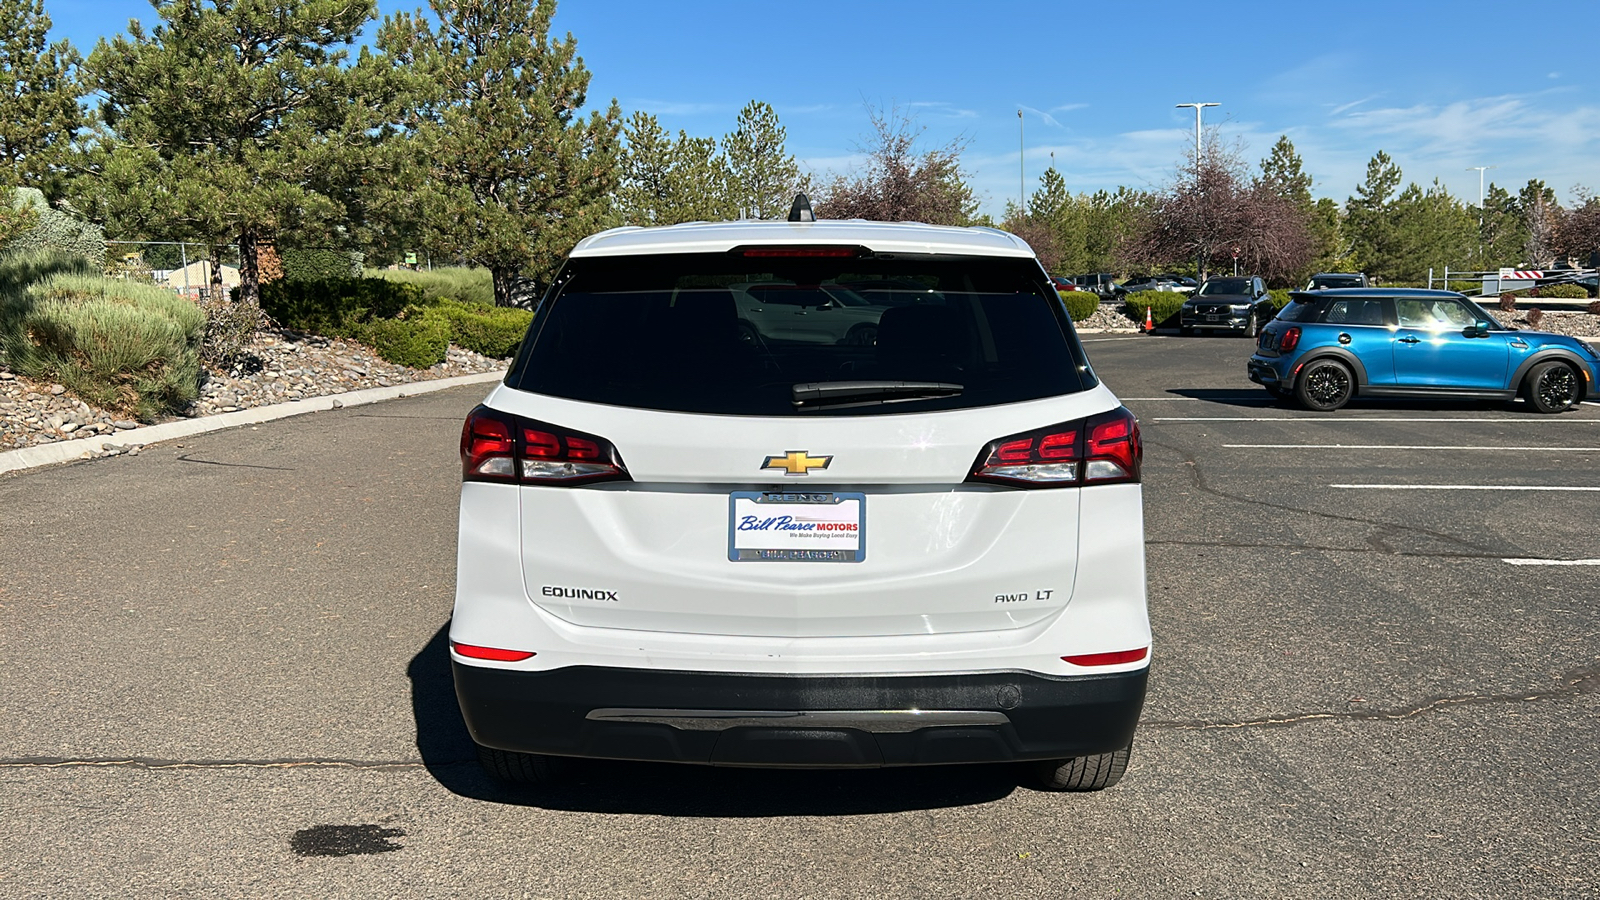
(797,462)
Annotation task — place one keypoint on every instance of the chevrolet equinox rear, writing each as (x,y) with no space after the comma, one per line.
(802,494)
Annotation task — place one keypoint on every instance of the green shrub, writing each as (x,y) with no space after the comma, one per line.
(419,339)
(320,264)
(1279,297)
(336,308)
(122,346)
(467,285)
(493,331)
(1163,305)
(57,230)
(1561,292)
(1080,304)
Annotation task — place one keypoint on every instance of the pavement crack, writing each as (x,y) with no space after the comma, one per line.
(1262,545)
(1375,541)
(1578,681)
(211,462)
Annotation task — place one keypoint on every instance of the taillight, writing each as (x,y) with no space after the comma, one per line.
(813,252)
(1290,339)
(1102,449)
(497,446)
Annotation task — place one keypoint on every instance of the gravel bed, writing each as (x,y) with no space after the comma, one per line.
(1578,324)
(1108,317)
(281,366)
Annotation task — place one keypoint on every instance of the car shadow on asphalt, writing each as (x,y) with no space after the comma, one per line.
(606,786)
(1258,398)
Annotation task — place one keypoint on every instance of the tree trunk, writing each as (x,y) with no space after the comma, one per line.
(502,285)
(249,270)
(217,292)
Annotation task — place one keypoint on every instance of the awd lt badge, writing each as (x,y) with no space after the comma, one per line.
(797,462)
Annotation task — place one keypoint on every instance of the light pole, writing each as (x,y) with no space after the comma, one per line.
(1480,213)
(1197,108)
(1200,256)
(1022,178)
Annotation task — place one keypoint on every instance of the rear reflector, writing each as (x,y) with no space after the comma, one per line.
(491,653)
(1115,658)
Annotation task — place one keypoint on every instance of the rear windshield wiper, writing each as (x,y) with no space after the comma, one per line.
(862,393)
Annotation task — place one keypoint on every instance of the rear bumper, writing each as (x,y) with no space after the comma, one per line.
(1265,375)
(751,720)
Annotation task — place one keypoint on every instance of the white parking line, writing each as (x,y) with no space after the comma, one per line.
(1240,396)
(1405,447)
(1141,337)
(1552,562)
(1530,420)
(1464,487)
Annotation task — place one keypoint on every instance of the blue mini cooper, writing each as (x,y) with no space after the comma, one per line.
(1326,347)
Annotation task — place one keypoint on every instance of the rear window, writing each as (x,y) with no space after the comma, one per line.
(726,334)
(1299,310)
(1336,281)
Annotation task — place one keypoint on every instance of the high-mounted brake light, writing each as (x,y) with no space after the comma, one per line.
(497,446)
(1290,339)
(800,252)
(496,654)
(1102,449)
(1114,658)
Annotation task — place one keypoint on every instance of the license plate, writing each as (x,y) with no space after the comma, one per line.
(1214,318)
(797,526)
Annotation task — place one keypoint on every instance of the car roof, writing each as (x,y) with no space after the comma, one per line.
(1373,292)
(720,237)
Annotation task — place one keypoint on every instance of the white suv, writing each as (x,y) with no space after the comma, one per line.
(687,537)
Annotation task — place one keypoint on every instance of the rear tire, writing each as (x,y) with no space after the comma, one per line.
(513,767)
(1551,387)
(1083,773)
(1325,385)
(1253,329)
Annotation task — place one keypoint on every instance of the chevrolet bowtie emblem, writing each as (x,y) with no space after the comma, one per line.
(796,462)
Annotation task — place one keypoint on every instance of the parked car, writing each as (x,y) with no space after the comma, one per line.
(1181,284)
(1227,304)
(807,313)
(1063,283)
(1102,283)
(1325,280)
(1328,347)
(678,544)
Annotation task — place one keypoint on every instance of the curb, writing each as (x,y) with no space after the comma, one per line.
(64,451)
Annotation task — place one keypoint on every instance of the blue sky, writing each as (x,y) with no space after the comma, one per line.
(1439,86)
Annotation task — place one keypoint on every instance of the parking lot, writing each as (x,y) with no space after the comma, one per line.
(1376,673)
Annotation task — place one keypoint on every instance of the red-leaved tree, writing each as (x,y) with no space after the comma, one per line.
(899,182)
(1212,210)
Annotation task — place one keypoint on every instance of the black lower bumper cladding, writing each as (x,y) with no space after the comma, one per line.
(798,720)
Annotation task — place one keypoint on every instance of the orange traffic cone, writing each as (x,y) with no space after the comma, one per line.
(1149,322)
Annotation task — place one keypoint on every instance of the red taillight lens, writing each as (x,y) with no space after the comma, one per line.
(1102,449)
(493,653)
(800,252)
(1115,658)
(1290,339)
(497,446)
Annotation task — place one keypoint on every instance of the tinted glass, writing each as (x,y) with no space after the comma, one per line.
(1335,281)
(726,334)
(1226,286)
(1299,311)
(1355,312)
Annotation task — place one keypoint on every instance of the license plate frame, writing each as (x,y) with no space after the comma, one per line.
(837,532)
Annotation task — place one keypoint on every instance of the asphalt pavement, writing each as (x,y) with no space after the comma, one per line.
(1376,674)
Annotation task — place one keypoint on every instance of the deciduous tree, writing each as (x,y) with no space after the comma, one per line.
(901,182)
(513,173)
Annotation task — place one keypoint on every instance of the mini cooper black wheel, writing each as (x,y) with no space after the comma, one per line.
(1325,385)
(1551,387)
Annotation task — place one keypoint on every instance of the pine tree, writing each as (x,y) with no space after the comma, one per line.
(39,115)
(763,176)
(1366,216)
(513,175)
(1284,172)
(666,181)
(226,123)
